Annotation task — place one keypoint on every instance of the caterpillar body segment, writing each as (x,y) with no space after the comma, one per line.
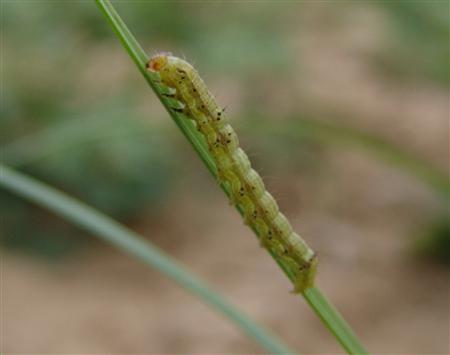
(247,189)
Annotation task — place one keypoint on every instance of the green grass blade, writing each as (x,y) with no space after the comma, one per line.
(127,241)
(332,320)
(333,134)
(140,58)
(62,135)
(57,137)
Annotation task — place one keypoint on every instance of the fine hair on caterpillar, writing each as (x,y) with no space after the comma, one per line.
(187,94)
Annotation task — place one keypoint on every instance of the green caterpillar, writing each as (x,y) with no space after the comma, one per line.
(247,189)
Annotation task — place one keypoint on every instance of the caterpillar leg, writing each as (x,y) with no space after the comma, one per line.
(247,207)
(235,186)
(304,277)
(224,176)
(223,163)
(263,231)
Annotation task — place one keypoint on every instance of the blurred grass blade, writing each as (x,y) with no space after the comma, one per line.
(333,134)
(332,320)
(114,233)
(58,137)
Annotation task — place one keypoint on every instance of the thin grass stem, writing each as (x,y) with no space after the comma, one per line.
(326,312)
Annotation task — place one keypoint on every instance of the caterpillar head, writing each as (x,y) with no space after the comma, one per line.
(172,70)
(158,62)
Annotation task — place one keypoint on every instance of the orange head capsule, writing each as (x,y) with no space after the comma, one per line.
(158,62)
(172,70)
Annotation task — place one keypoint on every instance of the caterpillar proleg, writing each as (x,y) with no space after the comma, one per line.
(247,190)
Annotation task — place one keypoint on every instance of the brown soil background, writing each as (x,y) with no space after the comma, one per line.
(362,222)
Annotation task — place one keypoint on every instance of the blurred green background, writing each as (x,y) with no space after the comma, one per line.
(299,80)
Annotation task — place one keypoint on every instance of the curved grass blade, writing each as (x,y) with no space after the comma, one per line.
(127,241)
(332,134)
(53,139)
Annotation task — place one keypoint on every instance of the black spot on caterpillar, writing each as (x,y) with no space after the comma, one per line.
(247,189)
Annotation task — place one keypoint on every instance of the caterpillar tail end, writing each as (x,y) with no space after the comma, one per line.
(306,277)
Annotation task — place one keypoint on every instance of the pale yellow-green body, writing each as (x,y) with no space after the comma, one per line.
(248,192)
